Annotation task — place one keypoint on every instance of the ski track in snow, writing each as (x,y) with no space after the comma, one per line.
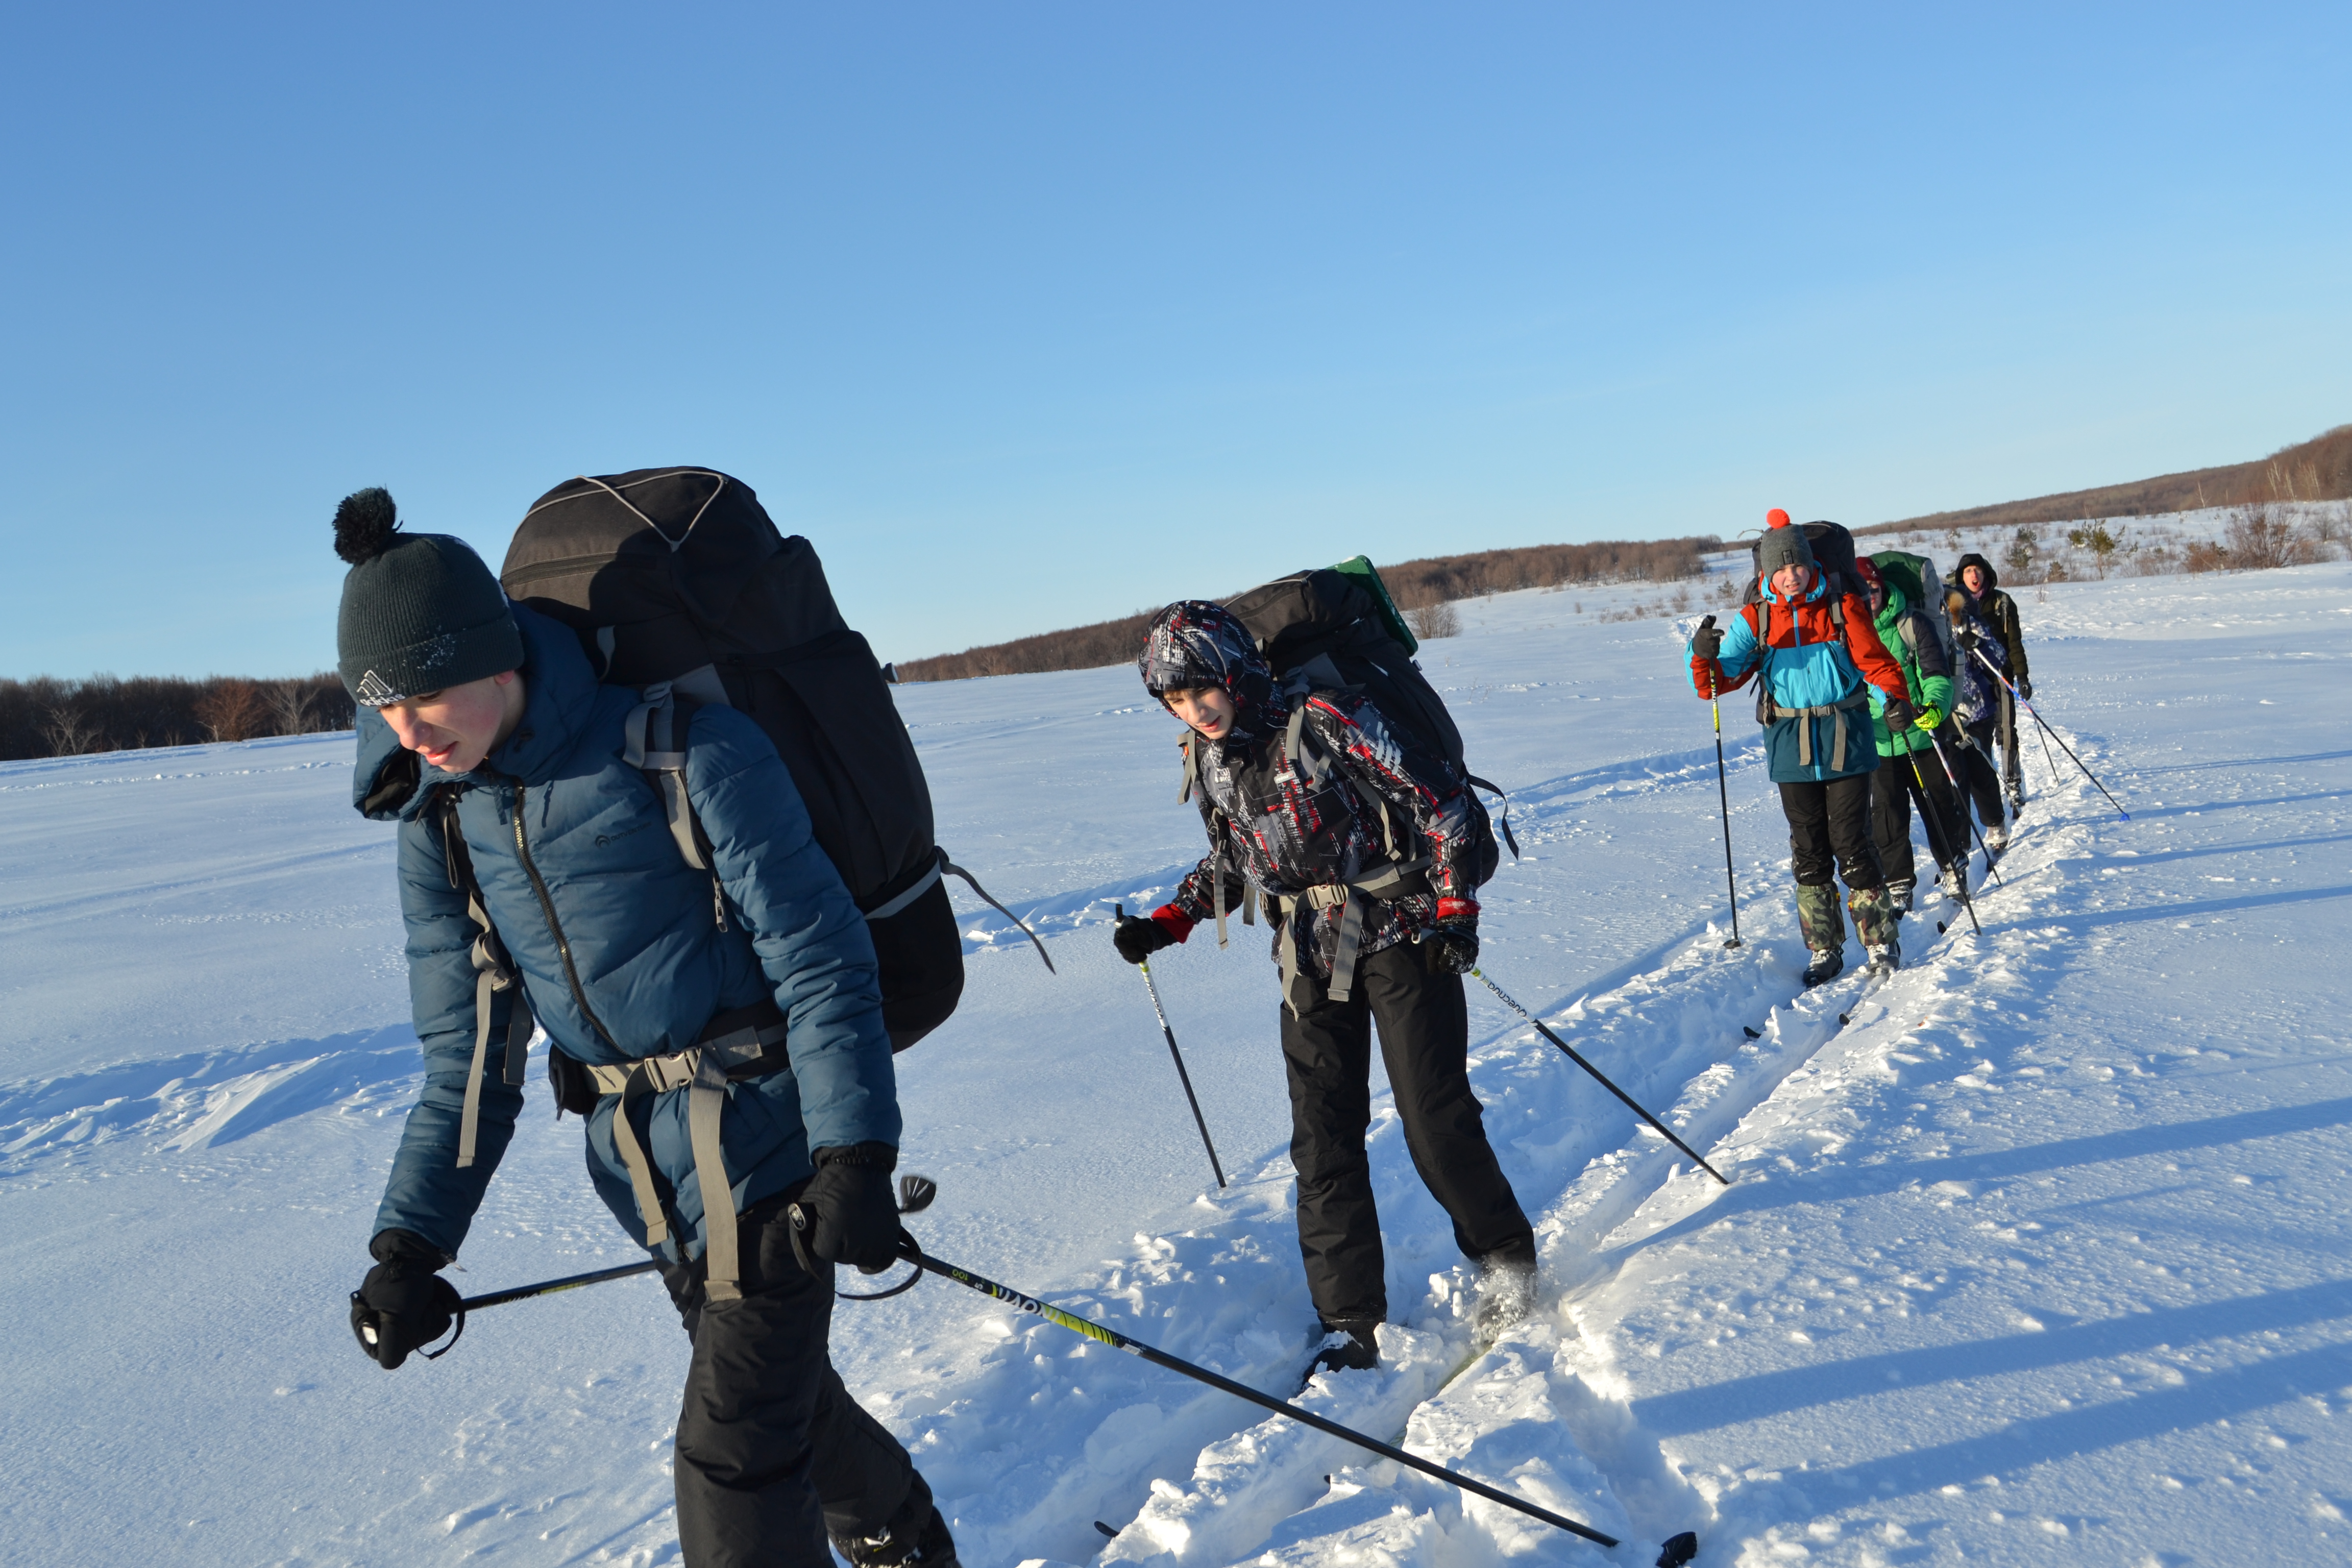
(1983,1288)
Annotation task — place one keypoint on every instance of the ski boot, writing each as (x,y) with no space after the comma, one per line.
(1996,839)
(1828,963)
(1885,957)
(1352,1344)
(1824,929)
(1507,1295)
(1955,882)
(1898,893)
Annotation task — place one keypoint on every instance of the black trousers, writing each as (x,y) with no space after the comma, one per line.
(2012,761)
(1978,775)
(1424,1029)
(1890,814)
(1829,829)
(772,1453)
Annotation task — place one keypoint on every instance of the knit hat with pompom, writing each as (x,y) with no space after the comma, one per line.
(420,611)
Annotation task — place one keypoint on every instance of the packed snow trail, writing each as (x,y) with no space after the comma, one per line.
(201,1081)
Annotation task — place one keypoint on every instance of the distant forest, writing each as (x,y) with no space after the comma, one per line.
(1413,584)
(2315,470)
(47,717)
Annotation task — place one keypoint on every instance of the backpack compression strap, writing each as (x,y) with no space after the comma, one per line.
(493,972)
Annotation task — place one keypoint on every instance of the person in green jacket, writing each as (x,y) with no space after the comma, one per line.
(1907,765)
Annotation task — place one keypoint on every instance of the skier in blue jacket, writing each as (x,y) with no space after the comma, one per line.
(670,997)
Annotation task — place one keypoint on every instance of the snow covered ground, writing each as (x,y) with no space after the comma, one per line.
(2041,1259)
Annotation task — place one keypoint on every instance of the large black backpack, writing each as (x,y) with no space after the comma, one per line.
(1833,549)
(1336,629)
(677,584)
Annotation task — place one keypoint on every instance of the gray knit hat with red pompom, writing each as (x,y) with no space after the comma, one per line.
(420,611)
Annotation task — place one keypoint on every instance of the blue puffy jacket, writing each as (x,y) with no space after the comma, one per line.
(641,962)
(1814,654)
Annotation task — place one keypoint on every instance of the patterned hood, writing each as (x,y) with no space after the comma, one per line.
(1195,643)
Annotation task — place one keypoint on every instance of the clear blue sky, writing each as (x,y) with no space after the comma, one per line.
(1030,315)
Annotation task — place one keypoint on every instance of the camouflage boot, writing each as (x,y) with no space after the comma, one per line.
(1875,919)
(1824,931)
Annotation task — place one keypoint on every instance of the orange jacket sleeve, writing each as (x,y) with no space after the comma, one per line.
(1869,654)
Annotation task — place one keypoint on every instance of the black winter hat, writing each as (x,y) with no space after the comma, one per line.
(1784,544)
(420,611)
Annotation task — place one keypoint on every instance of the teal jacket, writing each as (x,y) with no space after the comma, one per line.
(620,946)
(1820,654)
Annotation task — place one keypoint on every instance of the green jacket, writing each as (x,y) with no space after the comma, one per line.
(1911,638)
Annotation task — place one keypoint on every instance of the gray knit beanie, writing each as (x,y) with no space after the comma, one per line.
(1783,545)
(420,611)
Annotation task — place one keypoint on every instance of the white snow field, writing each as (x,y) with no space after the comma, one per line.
(2043,1258)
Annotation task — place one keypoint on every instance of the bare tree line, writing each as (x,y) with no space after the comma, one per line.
(47,717)
(1419,587)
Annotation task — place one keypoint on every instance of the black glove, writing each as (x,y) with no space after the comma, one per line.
(1138,940)
(1452,945)
(1965,635)
(848,1211)
(1707,641)
(2024,690)
(1899,715)
(402,1304)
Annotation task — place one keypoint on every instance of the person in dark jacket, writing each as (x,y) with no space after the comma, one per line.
(1979,701)
(1908,768)
(539,880)
(1997,611)
(1362,937)
(1824,677)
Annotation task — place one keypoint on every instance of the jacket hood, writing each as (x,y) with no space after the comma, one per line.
(392,783)
(1897,603)
(1960,572)
(1195,643)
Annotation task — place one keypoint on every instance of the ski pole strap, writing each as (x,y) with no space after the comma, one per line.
(735,1046)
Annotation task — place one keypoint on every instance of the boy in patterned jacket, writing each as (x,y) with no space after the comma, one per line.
(1363,847)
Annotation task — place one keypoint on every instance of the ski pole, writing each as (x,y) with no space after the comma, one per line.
(1119,911)
(2051,733)
(915,1195)
(912,1251)
(1601,1078)
(1961,797)
(1723,794)
(1942,847)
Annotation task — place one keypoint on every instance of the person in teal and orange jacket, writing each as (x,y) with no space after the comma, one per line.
(1825,677)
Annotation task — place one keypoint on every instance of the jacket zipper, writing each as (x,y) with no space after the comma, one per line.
(554,928)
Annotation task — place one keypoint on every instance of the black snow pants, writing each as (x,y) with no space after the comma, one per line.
(1424,1029)
(773,1455)
(2012,761)
(1829,830)
(1974,763)
(1891,798)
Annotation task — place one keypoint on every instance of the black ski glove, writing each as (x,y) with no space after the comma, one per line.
(402,1304)
(852,1216)
(1899,715)
(1965,635)
(1138,940)
(1452,945)
(2024,690)
(1707,641)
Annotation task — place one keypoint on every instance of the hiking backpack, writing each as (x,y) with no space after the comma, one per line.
(678,584)
(1916,576)
(1336,629)
(1832,548)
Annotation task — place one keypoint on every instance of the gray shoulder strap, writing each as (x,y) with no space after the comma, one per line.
(656,745)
